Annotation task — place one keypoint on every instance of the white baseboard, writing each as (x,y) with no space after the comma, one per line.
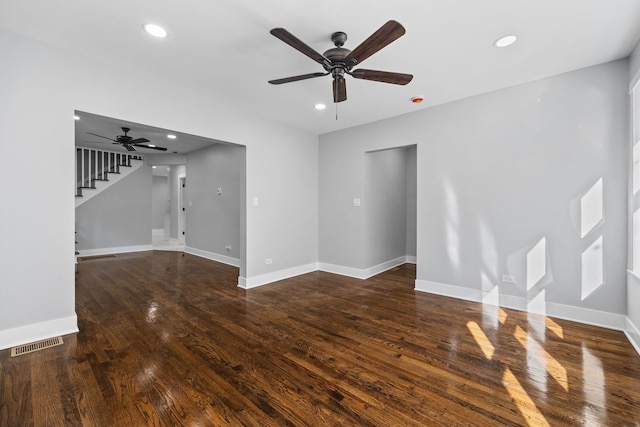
(111,251)
(633,334)
(341,270)
(38,331)
(633,309)
(213,256)
(409,259)
(363,273)
(264,279)
(561,311)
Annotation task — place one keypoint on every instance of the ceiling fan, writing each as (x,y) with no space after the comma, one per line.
(339,61)
(128,142)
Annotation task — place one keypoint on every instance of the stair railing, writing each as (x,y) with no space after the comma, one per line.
(95,165)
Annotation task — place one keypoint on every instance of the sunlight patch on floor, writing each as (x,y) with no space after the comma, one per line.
(481,339)
(523,401)
(538,357)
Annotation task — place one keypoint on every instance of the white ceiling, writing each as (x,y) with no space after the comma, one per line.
(224,46)
(110,128)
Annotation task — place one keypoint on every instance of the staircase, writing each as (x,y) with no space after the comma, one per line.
(97,170)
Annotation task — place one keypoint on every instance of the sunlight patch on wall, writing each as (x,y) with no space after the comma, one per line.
(538,304)
(523,401)
(452,225)
(490,258)
(492,295)
(591,213)
(536,263)
(592,268)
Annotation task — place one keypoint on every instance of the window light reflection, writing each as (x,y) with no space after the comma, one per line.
(481,339)
(523,401)
(539,357)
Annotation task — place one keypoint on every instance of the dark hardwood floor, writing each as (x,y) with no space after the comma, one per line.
(167,339)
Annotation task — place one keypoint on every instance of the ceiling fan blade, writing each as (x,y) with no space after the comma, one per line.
(151,147)
(386,34)
(129,147)
(299,45)
(339,90)
(95,134)
(296,78)
(139,141)
(382,76)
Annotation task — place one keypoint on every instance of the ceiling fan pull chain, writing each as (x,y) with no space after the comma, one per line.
(336,104)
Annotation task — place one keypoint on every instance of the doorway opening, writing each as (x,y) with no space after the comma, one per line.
(126,215)
(391,196)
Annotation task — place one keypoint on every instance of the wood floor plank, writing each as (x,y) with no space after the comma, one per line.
(169,339)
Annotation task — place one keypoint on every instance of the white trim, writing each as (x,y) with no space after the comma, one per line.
(341,270)
(633,334)
(459,292)
(117,250)
(157,232)
(409,259)
(632,273)
(38,331)
(235,262)
(264,279)
(633,316)
(587,316)
(363,273)
(567,312)
(634,81)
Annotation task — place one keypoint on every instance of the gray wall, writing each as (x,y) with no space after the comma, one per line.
(119,216)
(501,177)
(213,220)
(159,201)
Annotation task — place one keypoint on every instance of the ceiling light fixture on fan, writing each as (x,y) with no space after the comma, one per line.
(339,61)
(129,143)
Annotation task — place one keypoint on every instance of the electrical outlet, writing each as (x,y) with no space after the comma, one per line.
(268,261)
(506,278)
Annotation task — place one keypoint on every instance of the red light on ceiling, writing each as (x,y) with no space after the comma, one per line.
(417,99)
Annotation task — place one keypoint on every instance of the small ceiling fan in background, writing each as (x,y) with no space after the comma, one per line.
(339,61)
(129,143)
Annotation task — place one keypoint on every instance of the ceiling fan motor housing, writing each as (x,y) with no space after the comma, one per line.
(337,54)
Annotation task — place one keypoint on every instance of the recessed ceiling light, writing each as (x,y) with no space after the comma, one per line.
(319,106)
(76,118)
(505,41)
(155,30)
(171,136)
(154,167)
